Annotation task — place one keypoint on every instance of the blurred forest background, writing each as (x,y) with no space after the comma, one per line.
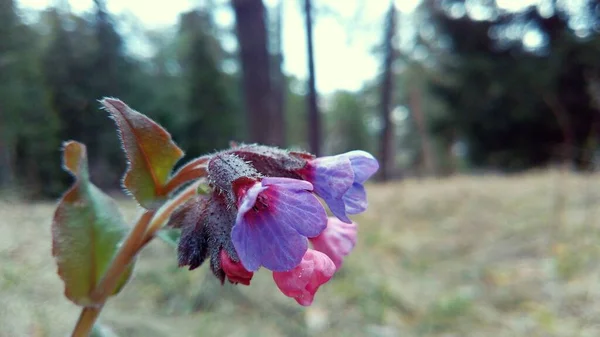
(459,89)
(464,86)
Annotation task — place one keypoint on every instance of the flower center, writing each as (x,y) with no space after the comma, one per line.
(260,204)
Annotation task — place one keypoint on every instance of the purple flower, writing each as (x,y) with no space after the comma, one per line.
(275,216)
(339,181)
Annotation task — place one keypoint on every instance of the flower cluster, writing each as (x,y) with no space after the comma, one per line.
(263,211)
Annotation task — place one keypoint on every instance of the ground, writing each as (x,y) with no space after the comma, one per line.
(463,256)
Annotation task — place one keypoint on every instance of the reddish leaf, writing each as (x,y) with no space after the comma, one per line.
(86,231)
(151,153)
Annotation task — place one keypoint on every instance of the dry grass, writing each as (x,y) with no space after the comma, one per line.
(466,256)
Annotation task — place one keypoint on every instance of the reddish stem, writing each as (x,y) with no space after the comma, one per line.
(124,256)
(184,176)
(86,321)
(164,215)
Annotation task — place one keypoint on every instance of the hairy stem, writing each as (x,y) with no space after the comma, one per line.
(167,210)
(108,282)
(86,320)
(142,233)
(122,259)
(194,169)
(184,176)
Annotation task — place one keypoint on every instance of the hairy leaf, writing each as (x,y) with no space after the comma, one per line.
(150,151)
(86,231)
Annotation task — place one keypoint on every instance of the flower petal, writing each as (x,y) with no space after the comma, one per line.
(261,239)
(302,282)
(250,198)
(337,241)
(235,271)
(338,208)
(300,210)
(355,200)
(363,164)
(288,183)
(331,177)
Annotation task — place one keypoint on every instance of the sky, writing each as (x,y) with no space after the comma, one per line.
(342,45)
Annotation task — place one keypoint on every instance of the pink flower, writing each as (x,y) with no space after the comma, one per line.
(235,271)
(302,282)
(336,241)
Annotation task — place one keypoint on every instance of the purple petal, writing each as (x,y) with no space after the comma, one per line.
(338,208)
(331,178)
(300,210)
(249,199)
(260,239)
(288,183)
(356,199)
(363,164)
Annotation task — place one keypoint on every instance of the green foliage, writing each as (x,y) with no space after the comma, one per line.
(516,107)
(211,118)
(28,132)
(347,123)
(52,72)
(150,152)
(295,113)
(80,65)
(86,231)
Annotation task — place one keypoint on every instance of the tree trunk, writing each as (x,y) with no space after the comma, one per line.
(386,155)
(419,118)
(564,123)
(7,175)
(256,82)
(314,119)
(279,81)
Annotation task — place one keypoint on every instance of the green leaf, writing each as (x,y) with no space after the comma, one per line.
(150,151)
(87,229)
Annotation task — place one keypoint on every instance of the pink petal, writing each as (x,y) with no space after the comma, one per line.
(337,240)
(302,282)
(235,271)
